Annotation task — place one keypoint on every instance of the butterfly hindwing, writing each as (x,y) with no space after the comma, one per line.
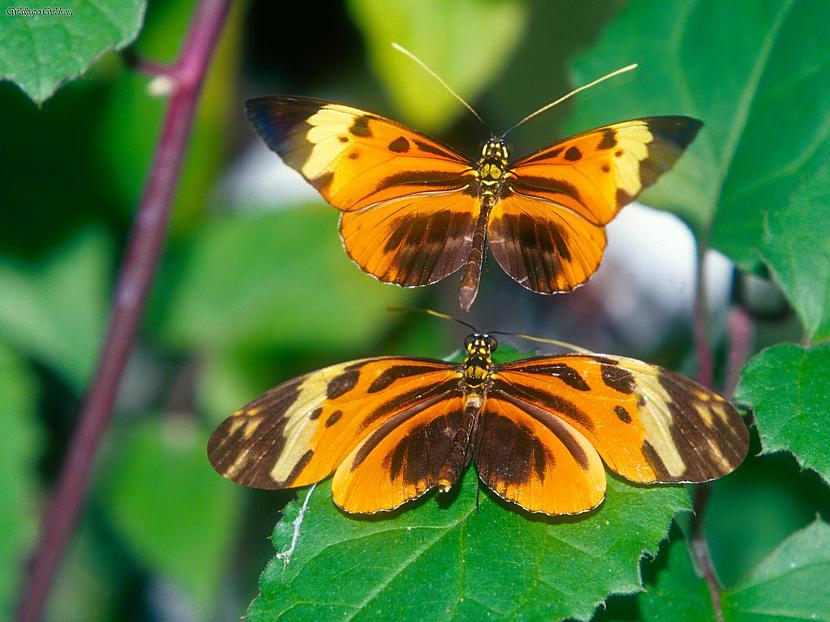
(299,432)
(647,423)
(535,459)
(409,203)
(401,459)
(547,232)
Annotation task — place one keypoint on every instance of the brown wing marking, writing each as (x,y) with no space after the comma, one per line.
(536,460)
(300,431)
(648,424)
(401,459)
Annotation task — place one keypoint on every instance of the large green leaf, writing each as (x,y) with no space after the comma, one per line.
(790,584)
(40,51)
(467,42)
(55,311)
(265,279)
(18,475)
(176,516)
(787,387)
(443,560)
(797,249)
(757,73)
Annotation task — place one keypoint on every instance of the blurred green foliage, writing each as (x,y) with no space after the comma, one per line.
(249,295)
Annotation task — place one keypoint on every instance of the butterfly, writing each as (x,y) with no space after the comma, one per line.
(538,429)
(414,211)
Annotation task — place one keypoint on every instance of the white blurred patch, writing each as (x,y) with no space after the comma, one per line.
(259,180)
(647,277)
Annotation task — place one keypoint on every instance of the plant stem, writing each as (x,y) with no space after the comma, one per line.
(701,549)
(136,275)
(700,321)
(705,376)
(740,339)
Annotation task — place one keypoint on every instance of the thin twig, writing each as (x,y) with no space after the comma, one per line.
(136,275)
(740,340)
(700,321)
(705,375)
(701,549)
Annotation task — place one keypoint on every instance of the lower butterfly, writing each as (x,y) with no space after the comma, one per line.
(538,430)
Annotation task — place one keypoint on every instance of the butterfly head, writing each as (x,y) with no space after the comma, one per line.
(478,360)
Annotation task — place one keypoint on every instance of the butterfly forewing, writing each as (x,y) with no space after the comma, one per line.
(548,230)
(300,431)
(647,423)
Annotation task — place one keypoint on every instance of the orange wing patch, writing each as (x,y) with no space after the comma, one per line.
(535,459)
(300,431)
(648,424)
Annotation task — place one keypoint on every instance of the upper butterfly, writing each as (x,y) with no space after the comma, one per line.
(415,210)
(538,429)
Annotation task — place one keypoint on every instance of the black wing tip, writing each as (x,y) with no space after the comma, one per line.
(677,130)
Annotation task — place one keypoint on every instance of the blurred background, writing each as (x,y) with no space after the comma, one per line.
(254,287)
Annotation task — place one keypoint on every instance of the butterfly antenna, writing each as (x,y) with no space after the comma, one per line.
(424,66)
(571,94)
(443,316)
(556,342)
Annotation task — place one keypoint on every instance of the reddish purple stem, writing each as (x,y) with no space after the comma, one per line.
(700,323)
(136,275)
(740,342)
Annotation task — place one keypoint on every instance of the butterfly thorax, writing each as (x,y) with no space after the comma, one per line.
(478,361)
(492,167)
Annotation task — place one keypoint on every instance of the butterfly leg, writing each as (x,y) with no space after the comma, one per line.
(468,290)
(459,454)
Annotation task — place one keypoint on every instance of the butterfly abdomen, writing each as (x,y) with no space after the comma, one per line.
(460,450)
(490,174)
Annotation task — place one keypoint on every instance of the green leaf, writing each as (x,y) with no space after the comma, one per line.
(39,52)
(787,387)
(797,249)
(757,73)
(466,42)
(790,584)
(678,592)
(18,475)
(55,310)
(175,515)
(263,279)
(441,560)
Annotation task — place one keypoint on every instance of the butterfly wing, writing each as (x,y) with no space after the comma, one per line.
(409,203)
(536,460)
(399,460)
(548,231)
(299,432)
(649,424)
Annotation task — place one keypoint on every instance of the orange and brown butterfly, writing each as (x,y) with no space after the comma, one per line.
(415,211)
(538,430)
